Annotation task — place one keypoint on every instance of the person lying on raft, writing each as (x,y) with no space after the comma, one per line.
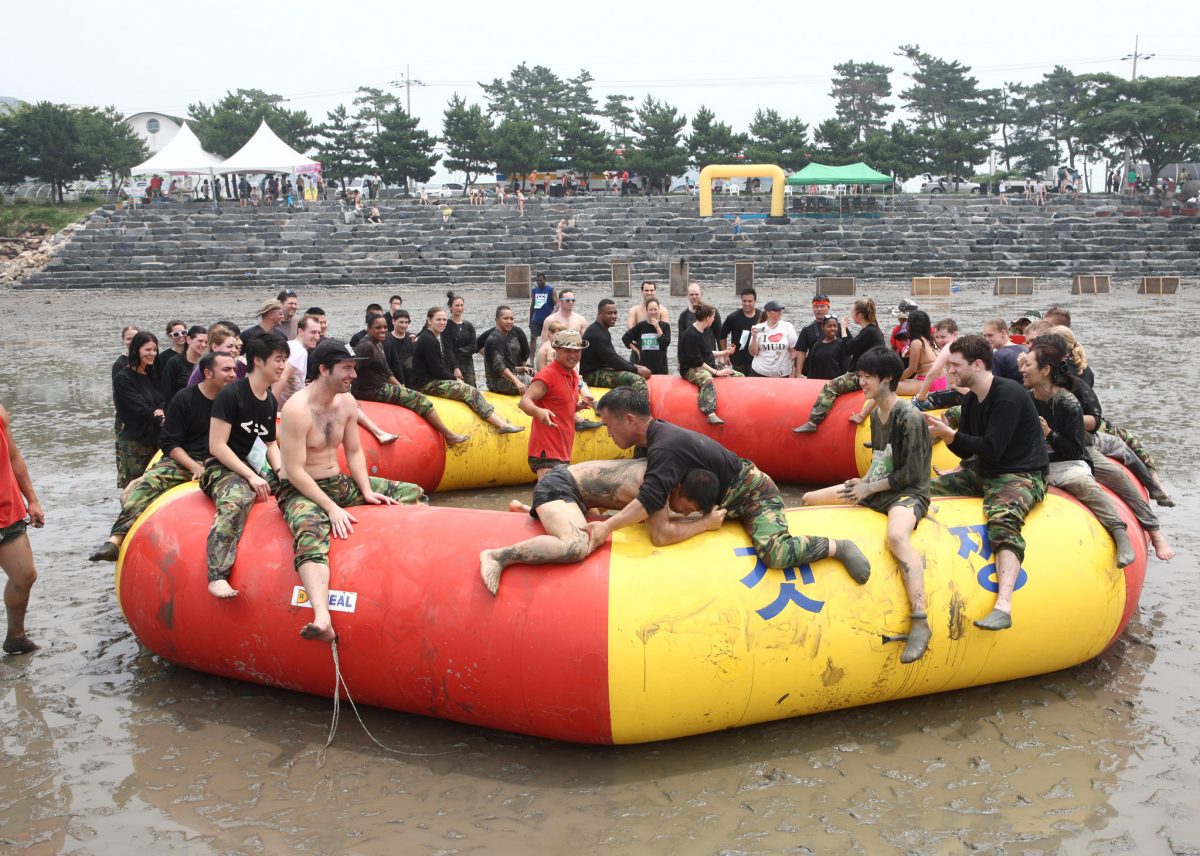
(184,445)
(376,382)
(897,482)
(313,494)
(731,483)
(561,499)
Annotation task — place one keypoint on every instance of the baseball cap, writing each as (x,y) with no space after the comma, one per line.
(904,307)
(329,351)
(773,306)
(569,339)
(268,306)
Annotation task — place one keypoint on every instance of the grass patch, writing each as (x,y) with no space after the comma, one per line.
(14,218)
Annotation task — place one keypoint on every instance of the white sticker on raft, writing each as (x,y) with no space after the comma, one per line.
(339,601)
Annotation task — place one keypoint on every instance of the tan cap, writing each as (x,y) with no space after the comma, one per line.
(268,306)
(568,339)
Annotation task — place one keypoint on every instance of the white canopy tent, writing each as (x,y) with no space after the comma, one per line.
(265,152)
(182,155)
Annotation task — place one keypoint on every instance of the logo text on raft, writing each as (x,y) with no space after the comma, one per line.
(339,601)
(967,544)
(788,593)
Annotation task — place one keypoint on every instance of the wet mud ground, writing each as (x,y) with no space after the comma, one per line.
(107,749)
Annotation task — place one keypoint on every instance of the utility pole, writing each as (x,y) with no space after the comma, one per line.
(408,83)
(1135,56)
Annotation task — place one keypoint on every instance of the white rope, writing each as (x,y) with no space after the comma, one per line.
(339,683)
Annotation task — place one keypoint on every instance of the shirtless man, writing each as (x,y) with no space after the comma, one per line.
(313,494)
(560,501)
(638,313)
(566,313)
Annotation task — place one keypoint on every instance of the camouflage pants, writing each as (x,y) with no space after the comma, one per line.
(504,386)
(840,385)
(611,379)
(459,391)
(233,498)
(1131,441)
(755,501)
(1007,499)
(159,478)
(402,396)
(707,397)
(310,525)
(132,458)
(1115,479)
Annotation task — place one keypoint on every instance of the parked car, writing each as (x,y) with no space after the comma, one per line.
(444,191)
(948,184)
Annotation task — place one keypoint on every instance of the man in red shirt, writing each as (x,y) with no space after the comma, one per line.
(19,507)
(551,400)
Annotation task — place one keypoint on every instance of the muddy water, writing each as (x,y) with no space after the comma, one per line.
(107,749)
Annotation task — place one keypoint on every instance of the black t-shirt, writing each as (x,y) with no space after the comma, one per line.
(187,426)
(736,331)
(137,396)
(671,452)
(653,346)
(504,351)
(431,361)
(175,375)
(864,340)
(687,318)
(1065,418)
(399,353)
(600,353)
(372,373)
(248,417)
(695,348)
(1004,361)
(1002,432)
(1088,400)
(825,360)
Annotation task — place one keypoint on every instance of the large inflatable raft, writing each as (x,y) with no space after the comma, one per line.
(636,643)
(760,413)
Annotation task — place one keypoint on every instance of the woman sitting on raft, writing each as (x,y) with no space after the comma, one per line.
(140,408)
(1062,425)
(433,372)
(868,337)
(376,382)
(460,339)
(825,360)
(923,371)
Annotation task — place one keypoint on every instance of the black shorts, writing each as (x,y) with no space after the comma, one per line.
(541,462)
(558,484)
(15,530)
(886,501)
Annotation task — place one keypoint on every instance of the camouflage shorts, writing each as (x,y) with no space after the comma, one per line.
(456,390)
(160,477)
(402,396)
(310,525)
(233,497)
(706,399)
(755,501)
(611,379)
(840,385)
(132,458)
(1007,499)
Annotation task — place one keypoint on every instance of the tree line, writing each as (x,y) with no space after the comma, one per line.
(536,120)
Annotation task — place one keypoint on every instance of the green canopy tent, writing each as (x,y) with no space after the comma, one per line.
(855,173)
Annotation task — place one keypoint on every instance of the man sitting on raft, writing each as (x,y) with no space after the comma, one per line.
(897,483)
(1004,460)
(313,494)
(735,485)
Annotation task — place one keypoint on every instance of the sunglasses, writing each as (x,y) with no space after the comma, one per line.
(287,292)
(179,334)
(566,300)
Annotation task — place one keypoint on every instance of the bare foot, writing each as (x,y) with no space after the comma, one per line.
(222,588)
(512,429)
(453,439)
(490,570)
(320,634)
(384,438)
(1162,547)
(19,645)
(518,506)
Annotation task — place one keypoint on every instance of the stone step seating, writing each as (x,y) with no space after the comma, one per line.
(171,246)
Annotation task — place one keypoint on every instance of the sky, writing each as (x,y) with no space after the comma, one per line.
(164,56)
